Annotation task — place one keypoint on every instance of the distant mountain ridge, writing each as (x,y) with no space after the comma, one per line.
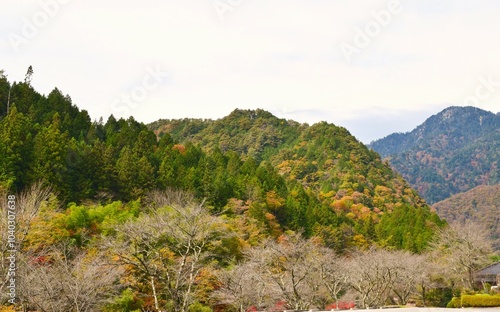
(451,152)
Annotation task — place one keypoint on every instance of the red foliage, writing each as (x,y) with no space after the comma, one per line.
(279,306)
(42,260)
(343,305)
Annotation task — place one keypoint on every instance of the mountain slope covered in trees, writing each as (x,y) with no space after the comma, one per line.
(451,152)
(480,204)
(330,178)
(113,216)
(317,179)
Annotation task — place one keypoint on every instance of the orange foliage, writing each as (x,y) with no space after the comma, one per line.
(179,147)
(342,205)
(272,224)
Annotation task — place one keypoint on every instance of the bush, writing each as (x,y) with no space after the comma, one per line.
(456,302)
(343,305)
(125,303)
(198,307)
(438,297)
(482,300)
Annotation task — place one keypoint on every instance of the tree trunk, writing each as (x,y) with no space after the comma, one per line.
(423,296)
(157,307)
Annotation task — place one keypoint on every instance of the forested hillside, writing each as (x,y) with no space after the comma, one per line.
(122,217)
(451,152)
(481,205)
(290,176)
(329,179)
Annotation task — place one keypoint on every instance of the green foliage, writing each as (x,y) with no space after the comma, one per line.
(16,148)
(198,307)
(249,133)
(406,228)
(480,301)
(84,222)
(127,302)
(438,297)
(454,303)
(287,176)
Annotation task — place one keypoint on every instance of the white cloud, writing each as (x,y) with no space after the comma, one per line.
(278,55)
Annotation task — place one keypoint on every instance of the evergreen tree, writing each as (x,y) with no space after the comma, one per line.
(17,149)
(49,156)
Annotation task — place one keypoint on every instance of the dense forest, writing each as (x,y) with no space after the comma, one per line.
(317,179)
(451,152)
(180,215)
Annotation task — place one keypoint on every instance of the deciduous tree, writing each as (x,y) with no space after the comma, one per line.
(62,278)
(291,266)
(460,249)
(167,248)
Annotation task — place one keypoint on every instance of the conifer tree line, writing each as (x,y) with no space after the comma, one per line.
(117,217)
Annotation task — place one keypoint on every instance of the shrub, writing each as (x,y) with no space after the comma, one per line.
(482,300)
(343,305)
(198,307)
(438,297)
(456,302)
(125,303)
(486,288)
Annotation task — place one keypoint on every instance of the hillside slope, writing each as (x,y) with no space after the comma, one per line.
(451,152)
(331,177)
(480,204)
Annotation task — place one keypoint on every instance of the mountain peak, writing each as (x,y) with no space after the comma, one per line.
(251,114)
(456,125)
(450,152)
(463,113)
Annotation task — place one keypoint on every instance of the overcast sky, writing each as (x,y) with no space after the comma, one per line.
(374,67)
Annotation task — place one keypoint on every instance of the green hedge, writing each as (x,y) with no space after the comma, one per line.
(482,300)
(454,303)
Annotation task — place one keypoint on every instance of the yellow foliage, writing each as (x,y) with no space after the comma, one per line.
(46,229)
(285,167)
(383,191)
(342,205)
(329,163)
(327,195)
(274,201)
(359,241)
